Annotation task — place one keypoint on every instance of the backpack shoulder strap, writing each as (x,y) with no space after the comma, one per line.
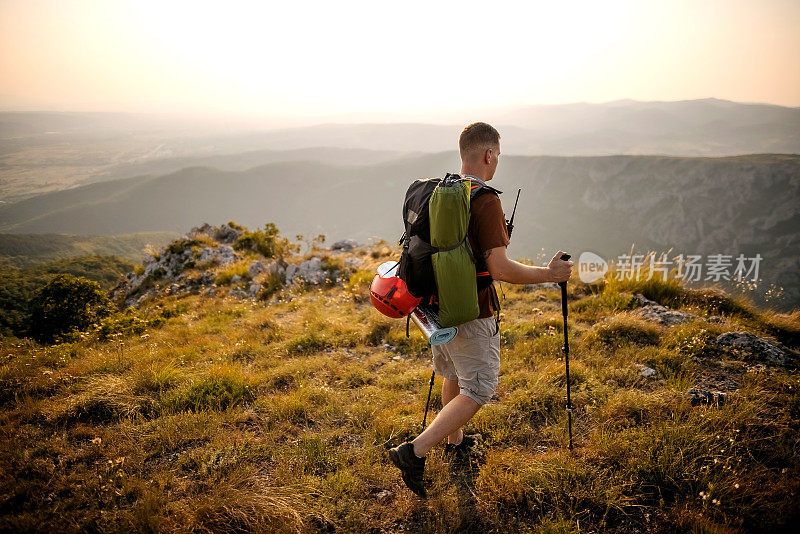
(477,188)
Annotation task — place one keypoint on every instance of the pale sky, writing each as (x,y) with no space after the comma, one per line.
(316,58)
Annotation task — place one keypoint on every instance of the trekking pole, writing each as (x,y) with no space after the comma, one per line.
(427,402)
(563,285)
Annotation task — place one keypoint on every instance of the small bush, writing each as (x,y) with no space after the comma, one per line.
(271,284)
(157,378)
(623,329)
(66,304)
(692,339)
(225,276)
(266,242)
(216,392)
(179,245)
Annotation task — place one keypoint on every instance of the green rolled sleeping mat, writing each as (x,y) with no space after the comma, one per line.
(453,267)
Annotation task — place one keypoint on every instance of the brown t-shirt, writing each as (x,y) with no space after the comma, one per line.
(487,230)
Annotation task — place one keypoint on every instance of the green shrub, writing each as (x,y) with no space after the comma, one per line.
(692,339)
(271,284)
(67,304)
(225,276)
(216,392)
(623,329)
(312,342)
(179,245)
(266,242)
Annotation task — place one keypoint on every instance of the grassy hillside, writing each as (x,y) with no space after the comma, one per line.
(219,414)
(24,250)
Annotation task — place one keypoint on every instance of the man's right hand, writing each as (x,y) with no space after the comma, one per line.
(560,270)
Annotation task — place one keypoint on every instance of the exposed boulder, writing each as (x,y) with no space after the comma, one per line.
(645,371)
(289,274)
(353,263)
(278,269)
(227,234)
(256,268)
(653,311)
(754,348)
(203,229)
(221,255)
(311,271)
(344,245)
(544,285)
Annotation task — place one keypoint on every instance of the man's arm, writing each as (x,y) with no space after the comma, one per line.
(506,270)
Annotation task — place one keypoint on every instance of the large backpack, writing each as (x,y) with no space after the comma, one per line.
(426,261)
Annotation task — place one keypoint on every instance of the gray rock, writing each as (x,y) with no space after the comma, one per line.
(204,229)
(227,233)
(207,278)
(353,263)
(311,271)
(383,496)
(256,268)
(715,319)
(344,245)
(529,288)
(254,289)
(646,371)
(708,396)
(289,274)
(221,255)
(235,279)
(653,311)
(757,348)
(277,268)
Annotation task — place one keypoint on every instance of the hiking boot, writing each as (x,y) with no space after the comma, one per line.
(411,467)
(462,450)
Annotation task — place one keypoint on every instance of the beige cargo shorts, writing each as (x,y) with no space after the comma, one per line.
(472,358)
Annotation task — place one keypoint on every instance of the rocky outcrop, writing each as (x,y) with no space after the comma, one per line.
(754,348)
(312,272)
(173,270)
(653,311)
(225,233)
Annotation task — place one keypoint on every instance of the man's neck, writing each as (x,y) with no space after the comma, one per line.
(474,172)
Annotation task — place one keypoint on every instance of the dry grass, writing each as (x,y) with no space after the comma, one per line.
(234,416)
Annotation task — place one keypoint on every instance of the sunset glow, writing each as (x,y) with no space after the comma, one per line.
(311,58)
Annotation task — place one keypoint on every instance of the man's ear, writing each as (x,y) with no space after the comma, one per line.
(487,156)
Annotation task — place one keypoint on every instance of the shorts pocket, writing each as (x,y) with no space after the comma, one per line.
(479,328)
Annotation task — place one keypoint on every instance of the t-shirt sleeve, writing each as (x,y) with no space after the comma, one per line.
(489,222)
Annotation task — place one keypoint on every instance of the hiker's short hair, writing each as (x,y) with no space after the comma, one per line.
(477,136)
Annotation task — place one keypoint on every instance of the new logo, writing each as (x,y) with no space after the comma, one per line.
(591,267)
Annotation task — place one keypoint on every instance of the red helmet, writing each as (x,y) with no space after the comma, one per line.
(389,294)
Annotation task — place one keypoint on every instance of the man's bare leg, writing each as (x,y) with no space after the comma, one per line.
(450,391)
(452,417)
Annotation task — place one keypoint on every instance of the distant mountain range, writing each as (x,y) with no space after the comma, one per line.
(731,205)
(709,126)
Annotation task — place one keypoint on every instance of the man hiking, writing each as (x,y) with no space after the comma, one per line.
(470,364)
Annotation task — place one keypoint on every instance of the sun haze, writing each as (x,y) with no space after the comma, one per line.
(317,58)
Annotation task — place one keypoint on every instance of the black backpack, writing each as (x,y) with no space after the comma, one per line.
(416,268)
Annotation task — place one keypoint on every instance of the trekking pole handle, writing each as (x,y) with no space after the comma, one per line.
(564,257)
